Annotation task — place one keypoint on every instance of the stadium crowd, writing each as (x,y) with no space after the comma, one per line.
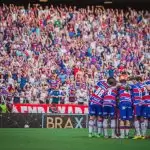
(52,52)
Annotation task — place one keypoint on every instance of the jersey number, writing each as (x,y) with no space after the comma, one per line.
(99,92)
(146,91)
(140,92)
(109,92)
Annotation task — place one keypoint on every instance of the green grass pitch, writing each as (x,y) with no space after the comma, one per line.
(63,139)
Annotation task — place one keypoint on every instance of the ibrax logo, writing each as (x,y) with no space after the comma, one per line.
(60,121)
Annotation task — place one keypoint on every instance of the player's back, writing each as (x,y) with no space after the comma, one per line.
(97,95)
(137,93)
(110,96)
(124,94)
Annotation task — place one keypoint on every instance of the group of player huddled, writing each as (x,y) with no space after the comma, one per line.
(129,99)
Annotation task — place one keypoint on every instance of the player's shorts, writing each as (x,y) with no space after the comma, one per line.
(138,110)
(109,111)
(95,110)
(126,111)
(146,112)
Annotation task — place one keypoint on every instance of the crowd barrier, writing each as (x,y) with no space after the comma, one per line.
(48,116)
(36,120)
(49,108)
(48,120)
(45,116)
(45,120)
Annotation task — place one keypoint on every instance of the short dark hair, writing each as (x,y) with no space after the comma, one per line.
(111,81)
(138,78)
(131,78)
(123,81)
(124,72)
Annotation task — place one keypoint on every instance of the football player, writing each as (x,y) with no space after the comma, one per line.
(95,106)
(146,107)
(109,109)
(137,105)
(125,108)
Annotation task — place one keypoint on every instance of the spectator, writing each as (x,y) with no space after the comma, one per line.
(56,96)
(50,46)
(82,96)
(62,77)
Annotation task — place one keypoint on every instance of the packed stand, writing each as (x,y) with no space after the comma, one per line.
(57,54)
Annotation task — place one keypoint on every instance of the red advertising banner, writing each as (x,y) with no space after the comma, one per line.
(44,108)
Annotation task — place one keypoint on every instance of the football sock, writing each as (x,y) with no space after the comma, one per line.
(127,132)
(127,128)
(105,126)
(113,125)
(137,127)
(91,126)
(143,128)
(99,126)
(122,130)
(95,126)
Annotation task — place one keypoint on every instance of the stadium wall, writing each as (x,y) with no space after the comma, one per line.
(47,120)
(34,120)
